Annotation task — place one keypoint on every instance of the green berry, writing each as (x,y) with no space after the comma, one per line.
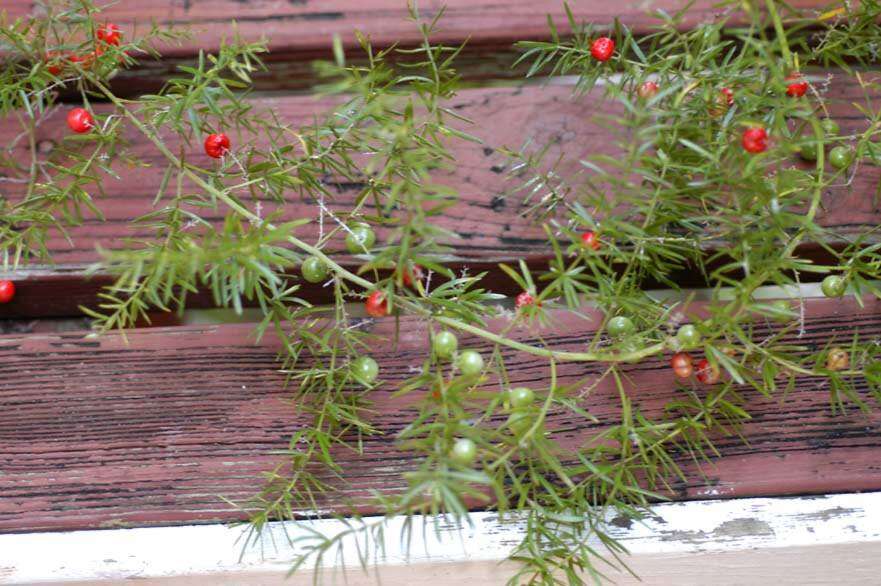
(445,344)
(520,397)
(830,127)
(365,370)
(470,363)
(464,452)
(833,286)
(619,326)
(360,239)
(808,151)
(688,336)
(841,157)
(314,270)
(783,311)
(520,421)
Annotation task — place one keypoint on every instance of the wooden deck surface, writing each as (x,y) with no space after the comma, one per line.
(95,432)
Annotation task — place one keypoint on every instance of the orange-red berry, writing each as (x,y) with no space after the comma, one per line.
(590,240)
(376,305)
(524,299)
(602,49)
(755,140)
(681,365)
(7,291)
(108,33)
(412,275)
(80,120)
(648,89)
(216,145)
(707,373)
(797,86)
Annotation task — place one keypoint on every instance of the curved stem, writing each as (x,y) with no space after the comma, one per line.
(362,282)
(554,354)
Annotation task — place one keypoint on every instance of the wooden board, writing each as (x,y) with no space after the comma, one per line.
(797,541)
(307,25)
(97,433)
(489,226)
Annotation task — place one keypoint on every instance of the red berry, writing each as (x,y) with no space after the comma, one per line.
(707,373)
(602,49)
(80,120)
(87,60)
(755,140)
(647,90)
(54,64)
(681,364)
(723,100)
(798,86)
(524,299)
(411,275)
(7,291)
(109,33)
(376,305)
(216,145)
(590,240)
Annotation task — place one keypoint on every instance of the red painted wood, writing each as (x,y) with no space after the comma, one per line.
(95,432)
(490,227)
(307,25)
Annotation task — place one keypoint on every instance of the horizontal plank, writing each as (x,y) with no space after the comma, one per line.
(670,547)
(487,222)
(100,433)
(308,25)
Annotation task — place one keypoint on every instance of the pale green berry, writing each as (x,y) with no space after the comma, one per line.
(470,363)
(365,370)
(464,452)
(445,344)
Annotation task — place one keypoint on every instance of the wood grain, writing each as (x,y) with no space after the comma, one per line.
(98,433)
(295,26)
(487,221)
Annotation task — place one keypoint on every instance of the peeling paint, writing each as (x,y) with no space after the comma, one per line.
(733,529)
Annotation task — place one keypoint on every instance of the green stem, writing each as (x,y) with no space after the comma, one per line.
(781,32)
(360,281)
(555,354)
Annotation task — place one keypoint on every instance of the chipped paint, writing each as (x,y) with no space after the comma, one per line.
(674,529)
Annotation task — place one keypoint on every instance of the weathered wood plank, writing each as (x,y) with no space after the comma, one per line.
(756,538)
(488,225)
(308,25)
(95,432)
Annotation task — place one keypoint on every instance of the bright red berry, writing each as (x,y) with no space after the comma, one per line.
(108,33)
(216,145)
(602,49)
(797,86)
(80,120)
(411,275)
(648,89)
(707,373)
(524,299)
(590,240)
(755,140)
(376,305)
(7,291)
(681,365)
